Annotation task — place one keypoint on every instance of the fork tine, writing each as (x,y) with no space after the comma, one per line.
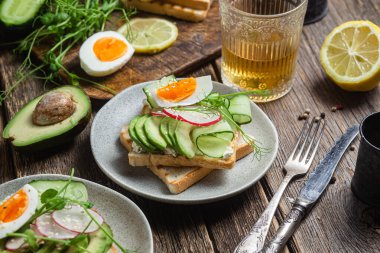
(305,140)
(315,132)
(317,143)
(299,138)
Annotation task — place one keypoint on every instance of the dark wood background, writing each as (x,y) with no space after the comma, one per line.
(338,223)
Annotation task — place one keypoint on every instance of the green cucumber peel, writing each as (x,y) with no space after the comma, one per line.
(217,102)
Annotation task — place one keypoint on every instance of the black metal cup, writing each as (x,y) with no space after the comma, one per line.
(366,180)
(316,10)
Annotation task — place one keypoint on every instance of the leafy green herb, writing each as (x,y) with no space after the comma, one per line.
(215,101)
(64,23)
(52,200)
(48,194)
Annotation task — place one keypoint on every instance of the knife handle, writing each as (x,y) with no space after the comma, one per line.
(286,230)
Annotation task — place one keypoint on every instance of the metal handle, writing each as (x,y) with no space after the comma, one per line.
(255,240)
(286,230)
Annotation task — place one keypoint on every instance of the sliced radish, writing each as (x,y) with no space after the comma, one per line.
(47,227)
(75,218)
(15,243)
(197,118)
(34,228)
(158,112)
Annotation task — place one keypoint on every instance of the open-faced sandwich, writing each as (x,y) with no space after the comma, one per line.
(53,217)
(185,131)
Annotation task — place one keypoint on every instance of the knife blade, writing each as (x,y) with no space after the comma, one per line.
(311,191)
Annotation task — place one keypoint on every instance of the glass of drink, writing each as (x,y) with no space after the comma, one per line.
(260,41)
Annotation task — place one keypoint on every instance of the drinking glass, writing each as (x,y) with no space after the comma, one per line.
(260,41)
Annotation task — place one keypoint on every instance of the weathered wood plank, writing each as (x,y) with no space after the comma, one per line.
(175,228)
(338,222)
(197,43)
(6,163)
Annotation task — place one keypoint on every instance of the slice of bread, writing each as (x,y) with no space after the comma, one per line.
(194,4)
(174,10)
(150,160)
(179,179)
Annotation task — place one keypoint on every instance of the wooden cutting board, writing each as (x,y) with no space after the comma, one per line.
(197,43)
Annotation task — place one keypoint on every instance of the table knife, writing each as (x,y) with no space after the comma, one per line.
(311,191)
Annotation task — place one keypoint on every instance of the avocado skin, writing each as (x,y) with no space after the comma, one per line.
(56,140)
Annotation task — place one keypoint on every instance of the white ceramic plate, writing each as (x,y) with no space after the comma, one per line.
(128,223)
(112,158)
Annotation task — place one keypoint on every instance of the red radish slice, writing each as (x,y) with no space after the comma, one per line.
(197,118)
(15,243)
(74,218)
(34,228)
(47,227)
(158,112)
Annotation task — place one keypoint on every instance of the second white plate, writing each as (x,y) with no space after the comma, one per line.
(112,157)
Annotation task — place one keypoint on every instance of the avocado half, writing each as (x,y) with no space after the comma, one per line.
(26,136)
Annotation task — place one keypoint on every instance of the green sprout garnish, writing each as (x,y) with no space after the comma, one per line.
(217,102)
(52,200)
(65,23)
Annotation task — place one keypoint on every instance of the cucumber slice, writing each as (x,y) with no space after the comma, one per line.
(182,136)
(139,130)
(75,190)
(149,89)
(213,140)
(240,109)
(133,135)
(19,12)
(221,130)
(172,126)
(164,130)
(212,146)
(152,132)
(228,136)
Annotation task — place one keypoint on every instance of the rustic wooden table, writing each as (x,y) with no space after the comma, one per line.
(338,223)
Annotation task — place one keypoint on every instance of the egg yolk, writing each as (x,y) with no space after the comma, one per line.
(178,91)
(109,49)
(13,207)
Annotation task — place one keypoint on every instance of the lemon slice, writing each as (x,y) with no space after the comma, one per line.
(150,35)
(350,55)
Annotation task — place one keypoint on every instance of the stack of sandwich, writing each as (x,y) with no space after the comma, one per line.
(190,10)
(179,173)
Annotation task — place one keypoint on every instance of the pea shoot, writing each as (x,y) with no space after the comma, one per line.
(54,200)
(65,24)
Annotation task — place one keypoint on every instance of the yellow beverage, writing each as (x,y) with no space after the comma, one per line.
(264,66)
(260,41)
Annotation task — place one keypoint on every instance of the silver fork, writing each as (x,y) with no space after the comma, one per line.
(298,164)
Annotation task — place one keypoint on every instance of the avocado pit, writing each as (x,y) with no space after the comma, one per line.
(54,107)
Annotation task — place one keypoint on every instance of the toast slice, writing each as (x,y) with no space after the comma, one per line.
(155,160)
(194,4)
(180,179)
(174,10)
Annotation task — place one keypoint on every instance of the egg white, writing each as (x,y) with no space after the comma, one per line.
(95,67)
(13,226)
(203,89)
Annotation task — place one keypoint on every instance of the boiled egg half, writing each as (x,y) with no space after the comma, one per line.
(187,91)
(104,53)
(16,210)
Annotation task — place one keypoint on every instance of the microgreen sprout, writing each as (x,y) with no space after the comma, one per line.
(218,102)
(65,24)
(52,200)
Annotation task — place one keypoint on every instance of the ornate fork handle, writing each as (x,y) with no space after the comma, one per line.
(255,240)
